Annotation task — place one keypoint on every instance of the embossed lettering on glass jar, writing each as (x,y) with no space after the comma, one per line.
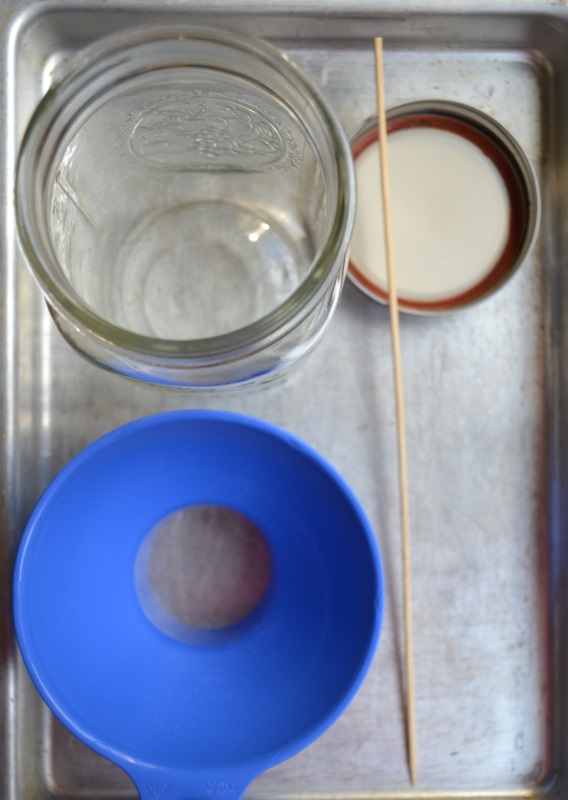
(185,199)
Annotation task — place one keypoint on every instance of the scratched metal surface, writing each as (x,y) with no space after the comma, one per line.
(485,392)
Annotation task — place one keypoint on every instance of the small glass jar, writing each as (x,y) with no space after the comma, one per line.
(185,199)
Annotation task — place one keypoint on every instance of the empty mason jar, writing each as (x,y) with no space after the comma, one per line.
(185,199)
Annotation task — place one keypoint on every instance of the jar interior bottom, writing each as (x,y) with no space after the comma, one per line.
(201,269)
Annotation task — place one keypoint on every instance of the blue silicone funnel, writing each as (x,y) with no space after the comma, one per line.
(197,719)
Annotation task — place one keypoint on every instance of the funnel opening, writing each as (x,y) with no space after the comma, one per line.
(202,574)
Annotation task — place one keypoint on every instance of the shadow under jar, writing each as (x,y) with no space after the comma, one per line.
(185,199)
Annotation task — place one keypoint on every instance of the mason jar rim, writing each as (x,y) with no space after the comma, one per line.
(95,60)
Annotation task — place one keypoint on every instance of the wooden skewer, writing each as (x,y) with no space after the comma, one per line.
(401,426)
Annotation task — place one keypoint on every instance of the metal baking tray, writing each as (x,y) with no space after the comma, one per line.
(486,392)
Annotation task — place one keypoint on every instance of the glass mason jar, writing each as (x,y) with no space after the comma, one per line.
(185,199)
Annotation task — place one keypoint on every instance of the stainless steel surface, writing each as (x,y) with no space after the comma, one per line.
(485,391)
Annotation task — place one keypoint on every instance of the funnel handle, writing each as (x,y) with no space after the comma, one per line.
(159,784)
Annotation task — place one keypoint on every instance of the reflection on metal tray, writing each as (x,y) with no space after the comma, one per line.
(484,390)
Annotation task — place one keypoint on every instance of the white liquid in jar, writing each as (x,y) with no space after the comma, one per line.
(450,214)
